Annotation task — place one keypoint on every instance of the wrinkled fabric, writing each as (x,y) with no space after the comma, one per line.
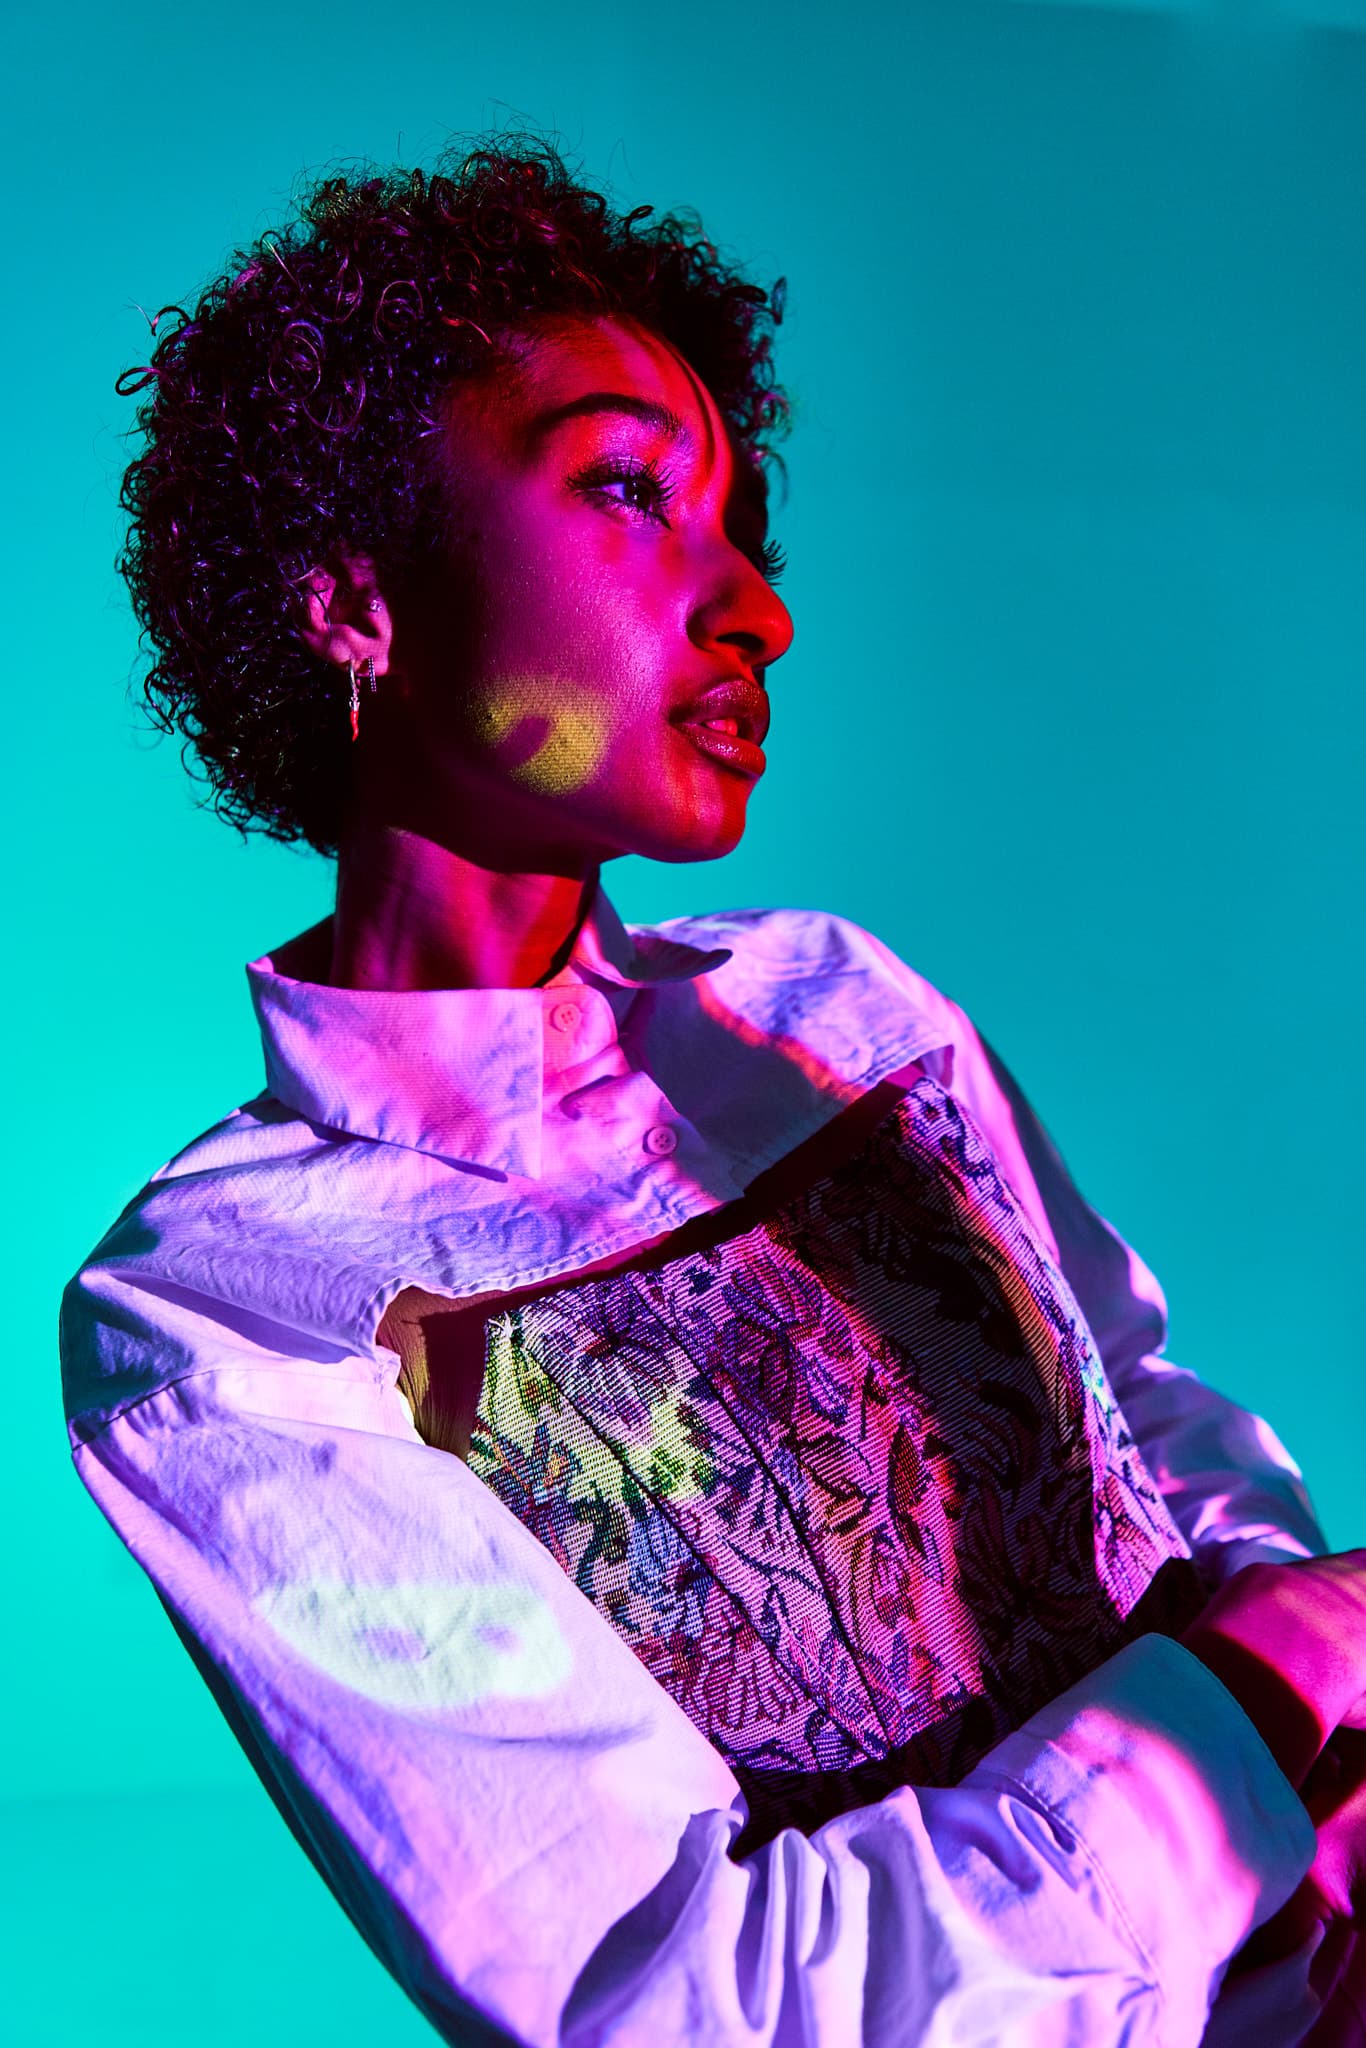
(528,1829)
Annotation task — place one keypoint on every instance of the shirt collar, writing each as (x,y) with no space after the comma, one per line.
(454,1071)
(606,950)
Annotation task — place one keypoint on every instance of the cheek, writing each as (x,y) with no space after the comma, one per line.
(595,604)
(560,676)
(546,733)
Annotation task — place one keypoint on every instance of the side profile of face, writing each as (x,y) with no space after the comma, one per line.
(582,674)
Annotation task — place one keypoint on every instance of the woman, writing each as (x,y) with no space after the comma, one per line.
(619,1421)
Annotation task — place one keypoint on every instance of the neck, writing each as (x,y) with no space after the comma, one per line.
(412,914)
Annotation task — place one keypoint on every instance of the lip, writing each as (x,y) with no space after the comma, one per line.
(745,704)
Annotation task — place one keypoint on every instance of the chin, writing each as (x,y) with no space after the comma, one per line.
(692,837)
(678,856)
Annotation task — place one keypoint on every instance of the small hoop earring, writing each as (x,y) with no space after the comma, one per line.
(368,671)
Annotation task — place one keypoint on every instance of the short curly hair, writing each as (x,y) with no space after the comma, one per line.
(295,409)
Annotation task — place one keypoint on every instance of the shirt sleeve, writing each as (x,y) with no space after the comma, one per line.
(1233,1489)
(534,1838)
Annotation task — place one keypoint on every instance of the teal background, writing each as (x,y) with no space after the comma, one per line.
(1073,720)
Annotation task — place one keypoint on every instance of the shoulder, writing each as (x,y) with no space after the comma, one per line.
(845,993)
(837,959)
(786,940)
(239,1245)
(261,1130)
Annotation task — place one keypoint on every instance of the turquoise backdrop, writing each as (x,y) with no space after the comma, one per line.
(1077,533)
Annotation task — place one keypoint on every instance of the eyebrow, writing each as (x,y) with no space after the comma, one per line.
(754,490)
(647,409)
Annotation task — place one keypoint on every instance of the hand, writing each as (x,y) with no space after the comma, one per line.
(1331,1902)
(1342,2021)
(1289,1642)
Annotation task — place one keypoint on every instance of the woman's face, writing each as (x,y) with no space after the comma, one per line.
(583,676)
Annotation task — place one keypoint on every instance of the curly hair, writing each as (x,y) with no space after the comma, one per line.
(296,408)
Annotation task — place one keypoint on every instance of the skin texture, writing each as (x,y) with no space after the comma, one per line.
(526,725)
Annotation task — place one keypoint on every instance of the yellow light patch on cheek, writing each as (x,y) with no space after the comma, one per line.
(547,734)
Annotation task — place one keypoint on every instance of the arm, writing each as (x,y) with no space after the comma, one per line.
(534,1838)
(1233,1490)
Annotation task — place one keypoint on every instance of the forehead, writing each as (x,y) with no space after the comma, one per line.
(570,358)
(564,358)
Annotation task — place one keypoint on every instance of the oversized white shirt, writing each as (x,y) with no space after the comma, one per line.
(525,1827)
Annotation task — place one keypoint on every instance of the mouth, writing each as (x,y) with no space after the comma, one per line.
(728,724)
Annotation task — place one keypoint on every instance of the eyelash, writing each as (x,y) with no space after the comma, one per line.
(772,560)
(593,482)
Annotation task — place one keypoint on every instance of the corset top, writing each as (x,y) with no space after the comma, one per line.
(851,1482)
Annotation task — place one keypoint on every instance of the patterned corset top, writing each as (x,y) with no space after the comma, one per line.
(852,1484)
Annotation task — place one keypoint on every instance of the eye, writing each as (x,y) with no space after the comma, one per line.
(641,488)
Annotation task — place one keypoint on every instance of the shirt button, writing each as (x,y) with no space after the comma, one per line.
(564,1016)
(661,1141)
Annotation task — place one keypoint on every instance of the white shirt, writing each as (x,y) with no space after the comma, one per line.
(519,1820)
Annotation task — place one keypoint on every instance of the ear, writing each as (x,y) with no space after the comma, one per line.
(346,618)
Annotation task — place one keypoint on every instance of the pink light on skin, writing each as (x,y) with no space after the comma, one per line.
(582,675)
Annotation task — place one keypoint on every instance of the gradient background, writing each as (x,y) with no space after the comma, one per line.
(1073,720)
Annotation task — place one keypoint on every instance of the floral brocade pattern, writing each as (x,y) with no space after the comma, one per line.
(852,1485)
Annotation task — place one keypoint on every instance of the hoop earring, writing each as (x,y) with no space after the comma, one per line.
(368,670)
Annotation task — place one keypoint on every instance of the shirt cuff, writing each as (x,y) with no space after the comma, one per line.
(1188,1823)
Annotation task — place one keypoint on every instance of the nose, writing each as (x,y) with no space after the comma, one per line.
(741,609)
